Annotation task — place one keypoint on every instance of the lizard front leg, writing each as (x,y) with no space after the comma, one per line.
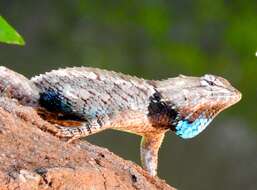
(149,148)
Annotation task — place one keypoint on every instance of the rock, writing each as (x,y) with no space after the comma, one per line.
(31,158)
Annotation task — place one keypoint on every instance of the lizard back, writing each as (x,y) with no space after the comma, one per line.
(87,93)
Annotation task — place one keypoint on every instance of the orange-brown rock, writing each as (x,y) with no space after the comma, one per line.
(33,159)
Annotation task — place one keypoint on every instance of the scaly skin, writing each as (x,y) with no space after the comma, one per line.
(83,101)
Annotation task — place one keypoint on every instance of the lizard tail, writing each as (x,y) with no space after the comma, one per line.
(15,85)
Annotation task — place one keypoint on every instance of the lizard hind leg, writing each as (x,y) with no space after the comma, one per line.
(73,133)
(149,148)
(76,132)
(73,127)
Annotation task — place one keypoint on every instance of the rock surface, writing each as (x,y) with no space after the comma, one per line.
(33,159)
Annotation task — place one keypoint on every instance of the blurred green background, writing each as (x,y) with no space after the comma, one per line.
(156,40)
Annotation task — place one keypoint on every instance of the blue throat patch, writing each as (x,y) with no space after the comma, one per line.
(187,130)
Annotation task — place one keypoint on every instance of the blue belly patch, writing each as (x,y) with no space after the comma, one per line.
(186,129)
(54,102)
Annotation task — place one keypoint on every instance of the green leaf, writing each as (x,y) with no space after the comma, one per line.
(8,33)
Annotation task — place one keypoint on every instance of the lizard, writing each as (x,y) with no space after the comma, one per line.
(82,101)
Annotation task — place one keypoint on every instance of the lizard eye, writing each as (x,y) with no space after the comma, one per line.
(208,80)
(210,83)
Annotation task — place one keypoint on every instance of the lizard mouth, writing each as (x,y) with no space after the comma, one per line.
(238,96)
(234,97)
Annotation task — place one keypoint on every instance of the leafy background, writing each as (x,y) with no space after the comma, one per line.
(155,40)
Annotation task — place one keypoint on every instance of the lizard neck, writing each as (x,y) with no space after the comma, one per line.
(160,112)
(165,114)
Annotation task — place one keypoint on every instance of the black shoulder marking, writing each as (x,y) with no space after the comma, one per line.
(159,107)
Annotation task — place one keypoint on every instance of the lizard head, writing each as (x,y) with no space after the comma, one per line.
(196,100)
